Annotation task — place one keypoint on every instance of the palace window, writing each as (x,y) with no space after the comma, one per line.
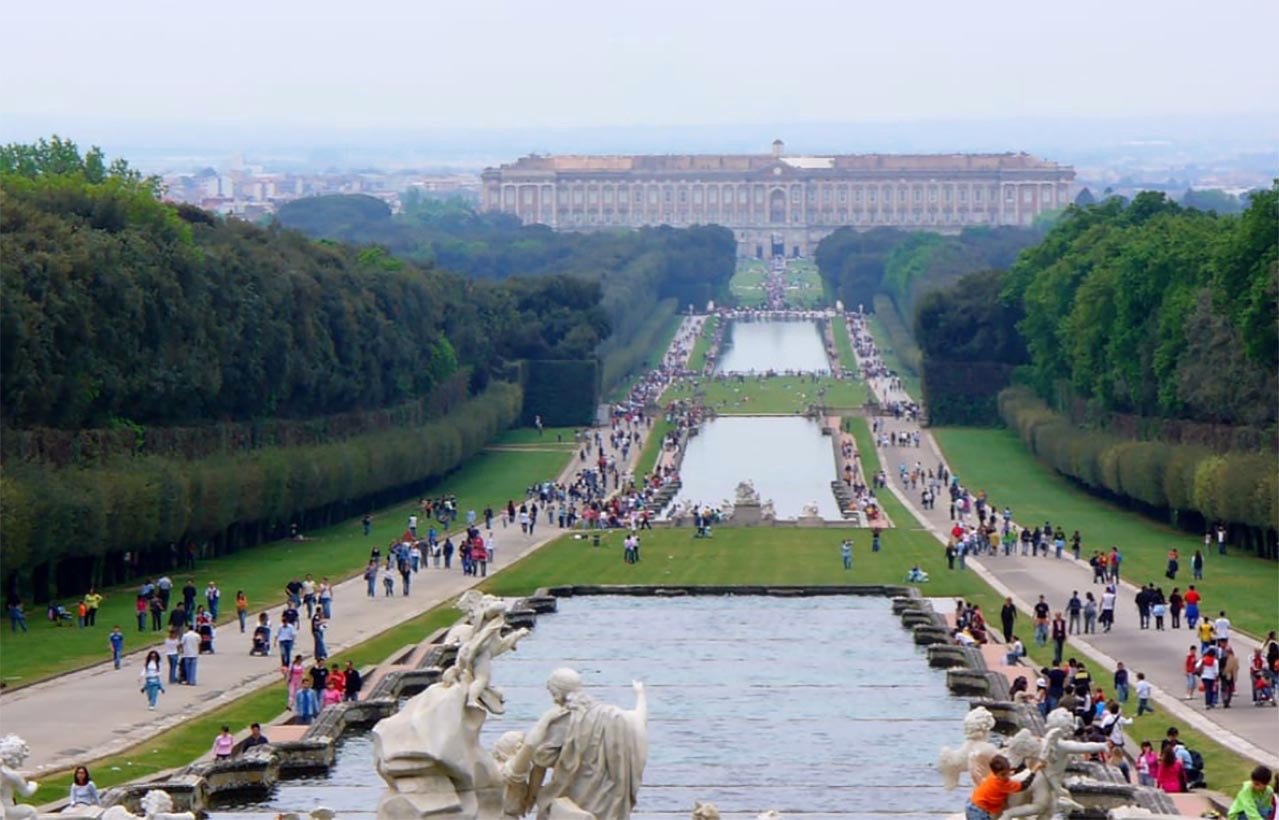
(1026,193)
(712,196)
(608,196)
(1009,194)
(683,195)
(666,195)
(963,194)
(593,196)
(697,196)
(919,195)
(871,193)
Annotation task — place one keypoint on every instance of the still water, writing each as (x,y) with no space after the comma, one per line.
(787,458)
(816,707)
(777,345)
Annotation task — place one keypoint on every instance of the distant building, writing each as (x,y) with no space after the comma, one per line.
(778,203)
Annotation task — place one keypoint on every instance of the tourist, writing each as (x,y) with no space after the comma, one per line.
(190,651)
(1197,566)
(1170,775)
(1221,629)
(324,593)
(332,694)
(368,524)
(293,675)
(1058,628)
(1107,617)
(1007,615)
(17,618)
(150,676)
(255,738)
(1191,665)
(1121,683)
(92,600)
(1229,675)
(1175,605)
(308,595)
(318,628)
(1041,622)
(353,682)
(1209,676)
(1016,651)
(83,790)
(846,552)
(990,797)
(1192,607)
(213,597)
(1174,564)
(188,598)
(140,608)
(406,574)
(241,608)
(284,638)
(370,578)
(116,641)
(1146,763)
(172,653)
(306,705)
(1256,798)
(1074,608)
(223,744)
(388,582)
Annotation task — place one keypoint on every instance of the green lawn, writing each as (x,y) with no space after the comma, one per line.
(843,344)
(549,437)
(652,447)
(997,462)
(489,478)
(697,356)
(776,394)
(747,282)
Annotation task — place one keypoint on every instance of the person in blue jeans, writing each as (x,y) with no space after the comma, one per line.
(116,639)
(17,618)
(370,578)
(284,638)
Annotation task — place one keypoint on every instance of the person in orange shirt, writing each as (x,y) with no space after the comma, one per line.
(990,797)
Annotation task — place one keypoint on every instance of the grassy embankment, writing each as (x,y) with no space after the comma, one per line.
(910,381)
(697,356)
(997,462)
(776,394)
(747,284)
(843,344)
(338,552)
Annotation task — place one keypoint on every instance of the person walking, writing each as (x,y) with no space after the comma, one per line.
(172,652)
(1007,617)
(846,553)
(1059,638)
(318,627)
(1121,683)
(352,682)
(293,675)
(241,608)
(1191,666)
(116,641)
(223,744)
(190,649)
(1074,609)
(1229,676)
(325,595)
(17,618)
(284,638)
(1090,614)
(1108,608)
(370,578)
(213,597)
(1197,566)
(1210,676)
(1144,692)
(150,675)
(1041,622)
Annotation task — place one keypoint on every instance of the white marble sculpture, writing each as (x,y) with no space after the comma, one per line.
(810,510)
(595,753)
(746,493)
(1048,795)
(13,753)
(767,511)
(973,756)
(705,811)
(156,805)
(429,752)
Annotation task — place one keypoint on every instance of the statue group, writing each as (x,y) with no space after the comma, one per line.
(582,760)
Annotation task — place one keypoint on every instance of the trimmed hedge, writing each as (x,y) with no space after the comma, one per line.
(564,392)
(146,502)
(1235,487)
(899,335)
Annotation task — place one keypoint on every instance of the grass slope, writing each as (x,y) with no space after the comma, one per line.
(776,394)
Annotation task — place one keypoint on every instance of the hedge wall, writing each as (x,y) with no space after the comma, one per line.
(899,335)
(964,393)
(564,392)
(147,502)
(1192,484)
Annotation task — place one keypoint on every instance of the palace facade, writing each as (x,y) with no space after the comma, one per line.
(775,202)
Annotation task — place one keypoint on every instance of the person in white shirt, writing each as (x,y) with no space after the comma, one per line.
(1144,692)
(190,651)
(1221,628)
(413,525)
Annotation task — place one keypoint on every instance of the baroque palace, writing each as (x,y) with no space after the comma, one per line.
(777,203)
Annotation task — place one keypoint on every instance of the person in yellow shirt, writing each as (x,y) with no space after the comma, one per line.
(92,600)
(1207,635)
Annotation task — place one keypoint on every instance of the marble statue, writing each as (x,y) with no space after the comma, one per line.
(705,811)
(1048,795)
(767,511)
(973,756)
(746,493)
(156,805)
(810,510)
(595,752)
(429,752)
(13,753)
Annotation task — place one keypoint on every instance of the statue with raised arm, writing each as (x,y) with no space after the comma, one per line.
(595,754)
(1048,793)
(475,655)
(13,753)
(974,755)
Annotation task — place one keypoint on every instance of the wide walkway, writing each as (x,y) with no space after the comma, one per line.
(1245,729)
(99,711)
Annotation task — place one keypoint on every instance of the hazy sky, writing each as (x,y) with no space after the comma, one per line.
(436,63)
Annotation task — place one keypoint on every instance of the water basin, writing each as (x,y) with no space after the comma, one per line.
(779,345)
(816,707)
(788,459)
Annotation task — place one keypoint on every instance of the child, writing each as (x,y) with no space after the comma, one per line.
(1256,799)
(991,795)
(1143,695)
(1146,762)
(116,639)
(388,583)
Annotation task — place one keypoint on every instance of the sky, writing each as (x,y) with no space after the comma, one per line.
(496,77)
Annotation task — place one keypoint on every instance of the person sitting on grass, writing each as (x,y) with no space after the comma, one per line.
(1256,798)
